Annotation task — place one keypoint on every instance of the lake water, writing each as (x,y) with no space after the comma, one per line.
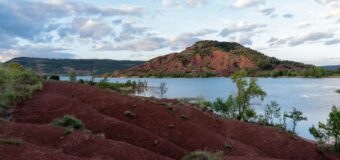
(314,97)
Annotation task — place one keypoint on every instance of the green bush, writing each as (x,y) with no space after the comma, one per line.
(54,77)
(16,84)
(203,155)
(11,141)
(69,122)
(72,76)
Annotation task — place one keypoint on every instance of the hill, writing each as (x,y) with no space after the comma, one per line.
(80,66)
(130,128)
(331,67)
(212,58)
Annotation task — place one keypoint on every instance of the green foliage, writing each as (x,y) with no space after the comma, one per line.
(69,122)
(328,134)
(296,116)
(11,141)
(203,155)
(80,66)
(127,87)
(315,72)
(16,84)
(72,76)
(54,77)
(202,103)
(272,111)
(337,91)
(246,90)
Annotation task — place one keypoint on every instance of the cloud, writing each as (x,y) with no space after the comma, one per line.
(332,42)
(185,3)
(30,19)
(34,51)
(7,41)
(304,24)
(326,1)
(94,28)
(288,15)
(187,39)
(130,31)
(333,11)
(151,43)
(145,44)
(244,39)
(247,3)
(311,37)
(240,27)
(267,11)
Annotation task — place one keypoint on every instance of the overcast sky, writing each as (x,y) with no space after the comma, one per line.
(300,30)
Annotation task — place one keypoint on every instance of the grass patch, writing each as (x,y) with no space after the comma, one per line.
(11,141)
(203,155)
(16,84)
(69,123)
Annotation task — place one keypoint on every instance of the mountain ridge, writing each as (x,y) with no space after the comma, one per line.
(80,66)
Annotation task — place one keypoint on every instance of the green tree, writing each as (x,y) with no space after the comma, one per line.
(246,90)
(272,111)
(72,76)
(330,131)
(296,116)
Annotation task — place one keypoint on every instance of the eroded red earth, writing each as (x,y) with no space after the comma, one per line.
(160,130)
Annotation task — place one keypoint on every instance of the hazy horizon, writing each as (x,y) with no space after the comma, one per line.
(304,31)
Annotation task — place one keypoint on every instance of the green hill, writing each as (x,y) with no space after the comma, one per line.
(80,66)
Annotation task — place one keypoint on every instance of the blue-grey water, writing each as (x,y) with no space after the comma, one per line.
(314,97)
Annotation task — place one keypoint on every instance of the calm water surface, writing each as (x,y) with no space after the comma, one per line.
(314,97)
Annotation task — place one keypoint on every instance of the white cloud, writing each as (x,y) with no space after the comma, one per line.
(145,44)
(332,42)
(185,3)
(311,37)
(130,31)
(240,27)
(326,1)
(267,11)
(247,3)
(333,11)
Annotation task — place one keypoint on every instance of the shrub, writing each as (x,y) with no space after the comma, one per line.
(328,134)
(129,114)
(72,76)
(11,141)
(296,116)
(54,77)
(16,84)
(203,155)
(69,122)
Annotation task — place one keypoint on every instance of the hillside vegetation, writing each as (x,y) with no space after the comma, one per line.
(79,66)
(213,58)
(16,83)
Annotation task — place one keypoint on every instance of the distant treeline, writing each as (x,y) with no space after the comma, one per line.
(80,66)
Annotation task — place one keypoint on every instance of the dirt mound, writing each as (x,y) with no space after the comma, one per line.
(158,130)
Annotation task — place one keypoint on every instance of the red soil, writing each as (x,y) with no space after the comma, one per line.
(160,130)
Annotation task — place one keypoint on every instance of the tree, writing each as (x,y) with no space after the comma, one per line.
(272,111)
(330,131)
(72,76)
(246,90)
(296,116)
(163,89)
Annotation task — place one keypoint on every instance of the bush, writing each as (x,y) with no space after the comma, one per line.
(11,141)
(328,134)
(72,76)
(69,122)
(54,77)
(203,155)
(16,84)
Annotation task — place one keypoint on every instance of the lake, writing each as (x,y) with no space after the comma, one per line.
(314,97)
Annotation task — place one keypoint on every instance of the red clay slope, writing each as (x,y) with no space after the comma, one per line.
(160,130)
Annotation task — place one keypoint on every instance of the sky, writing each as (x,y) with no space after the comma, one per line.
(306,31)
